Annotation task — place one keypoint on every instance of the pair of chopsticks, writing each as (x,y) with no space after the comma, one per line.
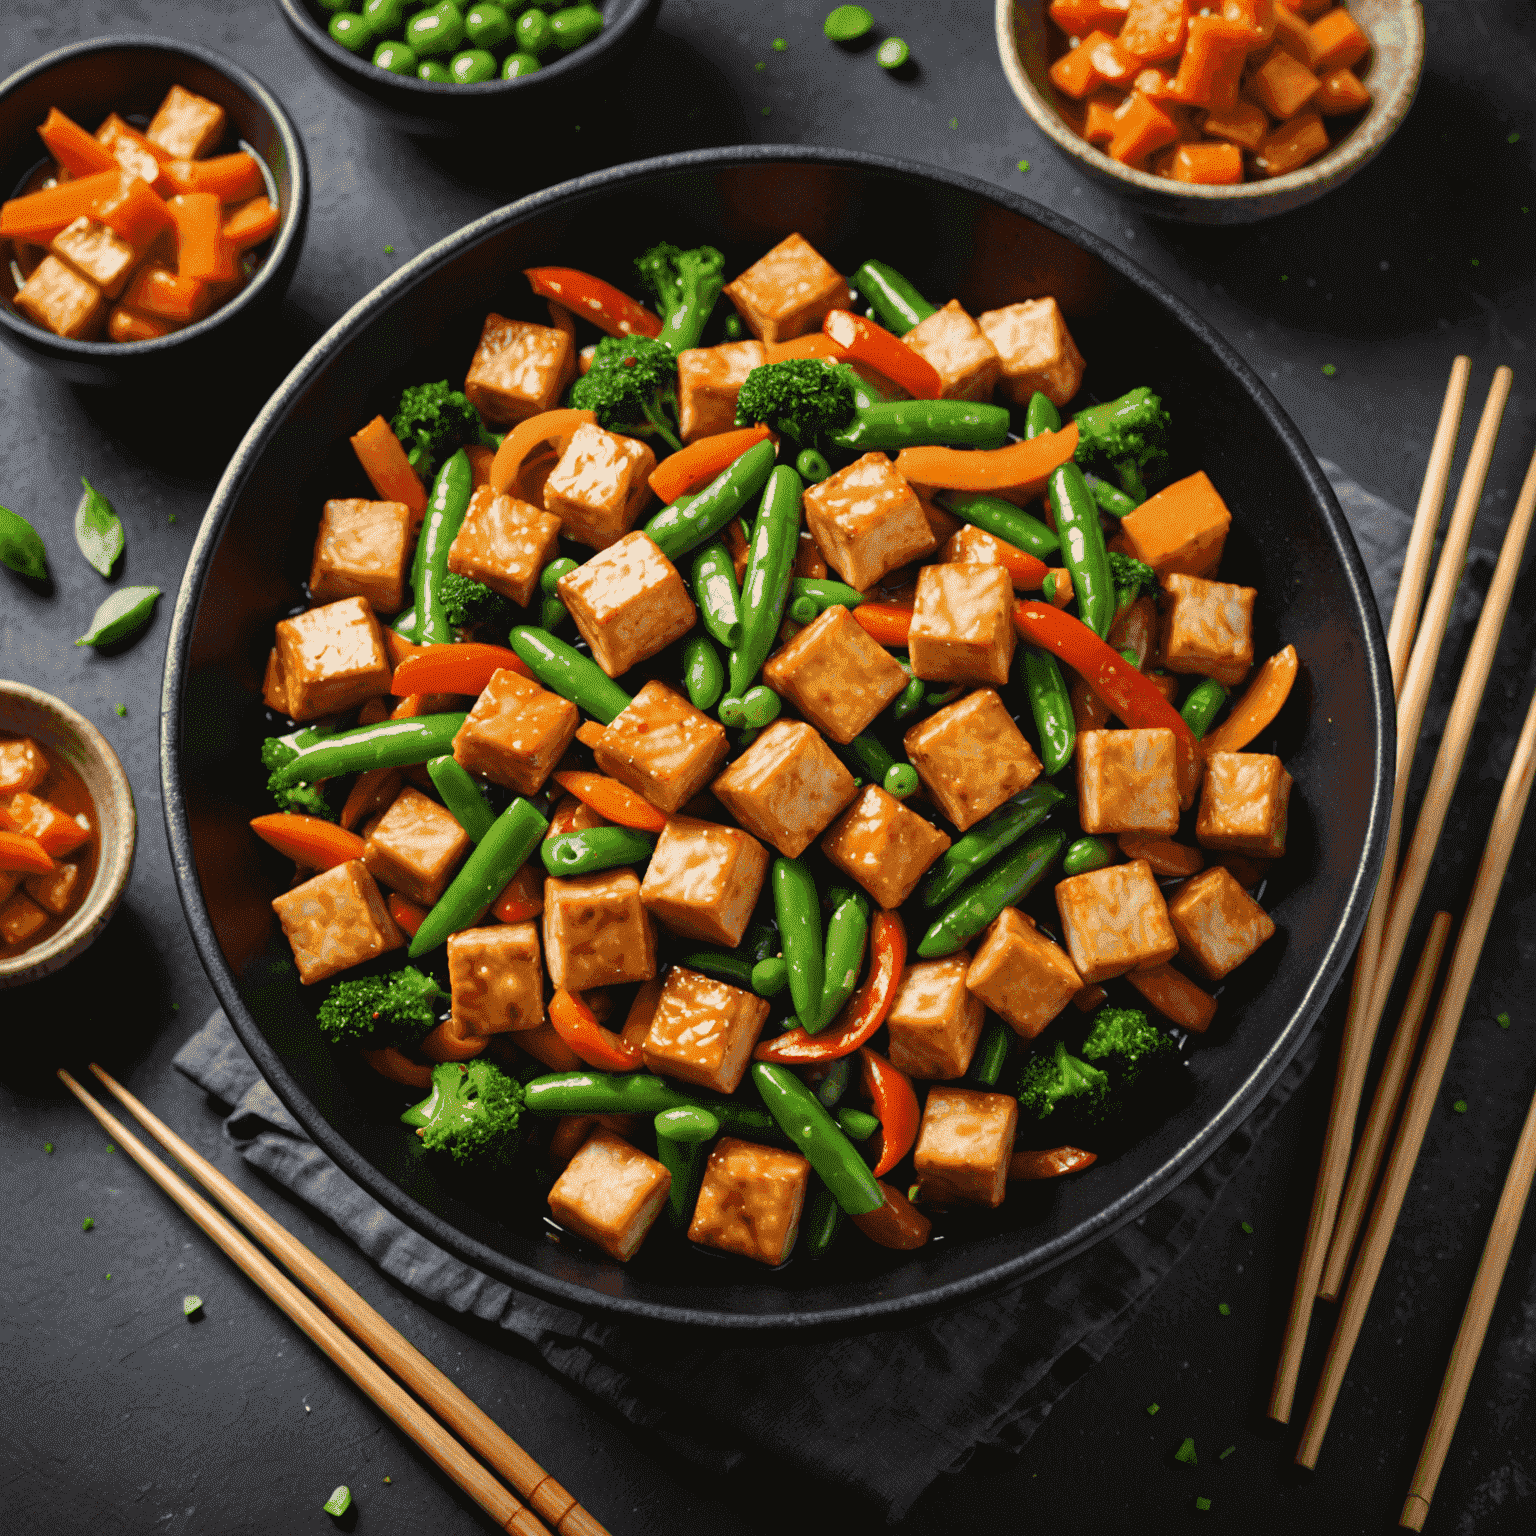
(360,1325)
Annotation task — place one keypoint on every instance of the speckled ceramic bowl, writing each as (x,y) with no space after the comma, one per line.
(1396,29)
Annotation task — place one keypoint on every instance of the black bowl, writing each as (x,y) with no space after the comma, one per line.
(130,75)
(504,106)
(1289,540)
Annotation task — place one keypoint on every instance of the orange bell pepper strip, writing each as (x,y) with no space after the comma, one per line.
(699,462)
(39,216)
(251,223)
(545,1046)
(378,450)
(124,325)
(610,309)
(612,801)
(522,897)
(231,178)
(557,427)
(895,1106)
(156,290)
(407,914)
(865,342)
(308,840)
(1050,1164)
(1260,703)
(896,1224)
(462,669)
(817,344)
(885,623)
(1022,467)
(577,1025)
(393,1063)
(201,250)
(23,855)
(448,1042)
(80,153)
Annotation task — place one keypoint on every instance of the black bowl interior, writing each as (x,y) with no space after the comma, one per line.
(1289,540)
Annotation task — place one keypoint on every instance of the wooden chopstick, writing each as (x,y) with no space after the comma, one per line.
(1425,1091)
(408,1415)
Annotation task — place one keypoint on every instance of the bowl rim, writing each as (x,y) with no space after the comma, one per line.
(1340,161)
(289,230)
(1177,1166)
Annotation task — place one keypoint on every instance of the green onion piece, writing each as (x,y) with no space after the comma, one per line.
(1248,1228)
(1224,1309)
(191,1304)
(1202,1503)
(1502,1020)
(1460,1106)
(892,53)
(47,1146)
(1223,1456)
(1151,1409)
(340,1501)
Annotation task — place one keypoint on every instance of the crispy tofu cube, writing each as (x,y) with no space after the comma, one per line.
(750,1200)
(786,786)
(1127,781)
(662,747)
(515,733)
(971,756)
(628,601)
(362,550)
(274,690)
(708,381)
(1207,628)
(1035,351)
(935,1020)
(599,486)
(867,521)
(518,370)
(704,1030)
(962,624)
(835,674)
(885,846)
(20,919)
(23,765)
(1115,920)
(57,298)
(332,658)
(336,920)
(610,1193)
(1181,529)
(959,351)
(98,254)
(186,126)
(496,979)
(788,292)
(504,543)
(1244,804)
(415,847)
(1218,923)
(970,545)
(704,879)
(58,889)
(1020,975)
(597,932)
(963,1146)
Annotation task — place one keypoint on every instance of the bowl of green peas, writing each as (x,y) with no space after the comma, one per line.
(455,66)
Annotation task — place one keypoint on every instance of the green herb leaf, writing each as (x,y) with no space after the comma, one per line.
(47,1146)
(1224,1309)
(1202,1503)
(88,1223)
(1460,1106)
(339,1502)
(1186,1453)
(191,1304)
(1503,1020)
(98,530)
(122,616)
(21,548)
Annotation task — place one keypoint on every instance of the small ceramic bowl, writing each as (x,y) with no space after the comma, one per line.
(1396,29)
(66,733)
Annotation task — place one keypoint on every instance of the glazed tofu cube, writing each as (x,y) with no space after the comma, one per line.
(970,545)
(971,757)
(662,747)
(496,979)
(708,381)
(504,543)
(835,674)
(516,733)
(23,765)
(750,1200)
(704,1030)
(1035,350)
(867,521)
(1020,975)
(1244,804)
(935,1019)
(1115,920)
(1183,528)
(610,1193)
(962,624)
(56,890)
(964,1145)
(336,920)
(415,846)
(786,786)
(1207,628)
(960,352)
(20,919)
(1218,923)
(1127,781)
(98,254)
(186,126)
(57,298)
(599,486)
(274,689)
(629,602)
(597,933)
(883,845)
(332,658)
(788,292)
(518,370)
(362,550)
(58,831)
(704,880)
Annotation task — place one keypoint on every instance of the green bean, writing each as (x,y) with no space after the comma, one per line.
(550,576)
(437,31)
(910,699)
(1202,705)
(575,25)
(847,931)
(969,855)
(876,763)
(1002,520)
(703,672)
(833,1082)
(694,520)
(395,59)
(533,32)
(1051,704)
(680,1137)
(1082,547)
(1041,416)
(856,1124)
(462,796)
(719,598)
(991,1053)
(775,540)
(812,1130)
(812,466)
(1087,854)
(823,1217)
(350,30)
(981,901)
(487,25)
(564,670)
(826,594)
(722,964)
(1111,498)
(895,424)
(799,918)
(770,976)
(424,622)
(389,744)
(637,1093)
(518,64)
(591,849)
(898,306)
(760,706)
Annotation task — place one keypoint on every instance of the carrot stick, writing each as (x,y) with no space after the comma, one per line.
(464,669)
(1050,1164)
(231,178)
(556,427)
(613,801)
(1175,996)
(251,223)
(449,1043)
(1020,466)
(1258,706)
(394,1064)
(701,461)
(373,790)
(76,150)
(888,623)
(308,840)
(389,471)
(39,216)
(201,252)
(20,854)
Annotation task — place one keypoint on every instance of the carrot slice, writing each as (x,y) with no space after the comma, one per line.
(522,897)
(464,669)
(1020,466)
(80,153)
(133,210)
(156,290)
(406,914)
(201,250)
(1259,705)
(866,342)
(1050,1164)
(1175,996)
(578,1026)
(20,854)
(612,801)
(251,223)
(231,178)
(448,1042)
(699,462)
(389,471)
(394,1064)
(887,623)
(308,840)
(896,1224)
(557,427)
(610,309)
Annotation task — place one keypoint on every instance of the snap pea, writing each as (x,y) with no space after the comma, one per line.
(719,598)
(856,1124)
(760,706)
(775,540)
(898,306)
(395,59)
(1002,520)
(462,796)
(703,672)
(799,918)
(680,1137)
(549,577)
(826,594)
(480,880)
(812,1130)
(723,965)
(812,466)
(389,744)
(424,622)
(695,520)
(910,699)
(803,611)
(1085,855)
(968,855)
(732,711)
(1082,547)
(593,848)
(1041,416)
(564,670)
(879,767)
(990,1054)
(986,896)
(121,616)
(847,931)
(575,25)
(1110,498)
(822,1219)
(518,64)
(770,976)
(833,1083)
(1050,703)
(636,1093)
(437,31)
(1202,705)
(487,26)
(894,424)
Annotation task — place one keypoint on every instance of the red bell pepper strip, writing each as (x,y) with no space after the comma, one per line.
(394,1064)
(23,855)
(885,623)
(462,669)
(896,1224)
(866,342)
(577,1025)
(407,914)
(522,897)
(865,1012)
(699,462)
(1050,1164)
(895,1107)
(608,308)
(448,1042)
(612,801)
(1129,693)
(308,840)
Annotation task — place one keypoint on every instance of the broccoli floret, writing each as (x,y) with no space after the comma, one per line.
(431,421)
(1125,1044)
(632,386)
(685,285)
(1130,433)
(468,604)
(1131,577)
(381,1010)
(473,1113)
(300,799)
(1063,1090)
(804,398)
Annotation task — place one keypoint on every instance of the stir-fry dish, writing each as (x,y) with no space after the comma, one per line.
(793,764)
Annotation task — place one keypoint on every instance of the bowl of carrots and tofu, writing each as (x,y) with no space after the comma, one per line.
(766,770)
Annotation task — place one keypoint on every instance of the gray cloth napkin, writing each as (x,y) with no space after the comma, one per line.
(882,1413)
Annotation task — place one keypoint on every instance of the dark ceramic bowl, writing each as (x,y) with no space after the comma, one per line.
(130,75)
(504,106)
(986,248)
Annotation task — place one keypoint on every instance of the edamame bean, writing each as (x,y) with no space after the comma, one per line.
(803,611)
(760,706)
(474,66)
(1086,855)
(396,58)
(553,613)
(575,25)
(434,72)
(732,711)
(1202,705)
(812,466)
(549,577)
(517,64)
(770,976)
(487,26)
(386,18)
(350,30)
(846,24)
(892,53)
(437,31)
(534,33)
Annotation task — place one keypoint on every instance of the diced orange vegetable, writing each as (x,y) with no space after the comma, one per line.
(552,427)
(1242,124)
(1293,144)
(1141,127)
(251,223)
(613,801)
(1050,1164)
(134,211)
(231,178)
(1282,85)
(1183,528)
(1167,858)
(1338,42)
(896,1224)
(1294,35)
(393,1063)
(1339,92)
(1056,587)
(1257,15)
(1099,125)
(522,897)
(449,1042)
(1209,165)
(1077,18)
(1022,466)
(886,623)
(975,546)
(77,151)
(308,840)
(39,216)
(699,462)
(125,325)
(407,914)
(1154,30)
(589,733)
(157,291)
(57,831)
(201,250)
(1175,996)
(20,854)
(1097,60)
(113,130)
(578,1026)
(378,450)
(1259,705)
(1212,64)
(460,669)
(1153,83)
